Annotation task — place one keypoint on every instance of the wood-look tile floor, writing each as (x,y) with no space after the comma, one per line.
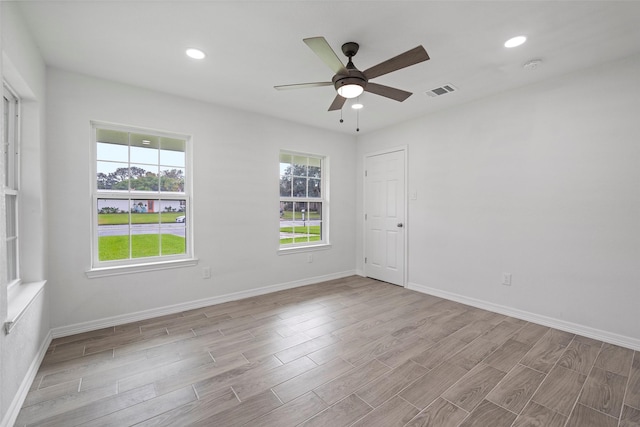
(349,352)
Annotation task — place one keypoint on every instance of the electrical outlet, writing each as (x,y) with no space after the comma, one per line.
(506,279)
(309,258)
(206,272)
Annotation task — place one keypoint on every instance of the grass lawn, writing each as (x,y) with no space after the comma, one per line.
(137,218)
(288,240)
(298,215)
(313,230)
(142,245)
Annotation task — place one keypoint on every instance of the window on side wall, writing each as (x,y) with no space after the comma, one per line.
(11,153)
(141,197)
(303,200)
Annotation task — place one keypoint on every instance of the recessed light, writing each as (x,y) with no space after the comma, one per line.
(515,41)
(146,142)
(195,53)
(357,106)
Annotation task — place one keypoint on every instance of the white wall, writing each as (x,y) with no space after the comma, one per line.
(20,351)
(236,215)
(542,182)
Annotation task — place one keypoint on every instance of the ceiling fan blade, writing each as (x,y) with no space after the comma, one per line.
(410,57)
(321,48)
(302,85)
(337,103)
(387,91)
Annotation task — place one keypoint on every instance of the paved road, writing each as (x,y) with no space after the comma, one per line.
(122,230)
(179,229)
(289,223)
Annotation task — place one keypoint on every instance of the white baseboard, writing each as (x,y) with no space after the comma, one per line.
(93,325)
(16,404)
(574,328)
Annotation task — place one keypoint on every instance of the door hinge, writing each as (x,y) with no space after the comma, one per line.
(365,173)
(365,217)
(365,260)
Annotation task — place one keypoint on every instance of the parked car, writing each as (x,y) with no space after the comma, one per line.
(182,218)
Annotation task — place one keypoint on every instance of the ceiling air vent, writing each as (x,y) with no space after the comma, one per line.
(442,90)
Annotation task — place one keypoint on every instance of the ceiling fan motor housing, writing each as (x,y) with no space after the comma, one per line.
(354,77)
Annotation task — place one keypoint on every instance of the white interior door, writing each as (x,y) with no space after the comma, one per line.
(385,217)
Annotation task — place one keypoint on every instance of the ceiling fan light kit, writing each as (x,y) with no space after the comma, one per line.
(349,90)
(348,81)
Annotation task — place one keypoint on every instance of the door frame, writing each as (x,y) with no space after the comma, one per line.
(405,150)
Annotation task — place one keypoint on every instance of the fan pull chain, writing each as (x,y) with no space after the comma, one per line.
(341,121)
(357,120)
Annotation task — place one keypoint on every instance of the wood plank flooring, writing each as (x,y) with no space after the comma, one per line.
(348,352)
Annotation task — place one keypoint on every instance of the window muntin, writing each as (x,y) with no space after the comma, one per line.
(10,149)
(141,197)
(302,200)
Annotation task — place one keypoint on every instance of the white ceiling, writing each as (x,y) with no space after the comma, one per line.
(254,45)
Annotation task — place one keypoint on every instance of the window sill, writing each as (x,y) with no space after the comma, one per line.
(19,298)
(302,249)
(139,268)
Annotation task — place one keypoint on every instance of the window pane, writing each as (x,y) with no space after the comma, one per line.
(144,212)
(171,209)
(144,177)
(5,150)
(172,152)
(5,140)
(112,176)
(315,167)
(299,187)
(111,248)
(300,234)
(285,164)
(112,152)
(173,228)
(172,179)
(11,201)
(314,188)
(285,185)
(112,136)
(286,210)
(110,207)
(315,211)
(145,155)
(12,215)
(299,166)
(145,228)
(113,229)
(300,210)
(145,241)
(12,260)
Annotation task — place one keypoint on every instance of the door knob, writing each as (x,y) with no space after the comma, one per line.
(400,225)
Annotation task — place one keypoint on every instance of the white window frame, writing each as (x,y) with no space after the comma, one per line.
(11,184)
(133,265)
(324,242)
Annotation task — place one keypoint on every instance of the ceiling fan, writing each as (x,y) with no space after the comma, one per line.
(350,82)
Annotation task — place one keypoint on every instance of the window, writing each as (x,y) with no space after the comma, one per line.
(141,197)
(10,149)
(303,201)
